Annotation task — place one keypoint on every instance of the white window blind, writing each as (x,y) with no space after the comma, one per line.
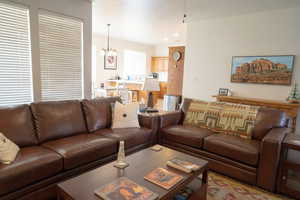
(60,57)
(15,55)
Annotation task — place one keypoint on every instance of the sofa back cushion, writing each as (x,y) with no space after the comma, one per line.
(17,125)
(58,119)
(267,119)
(99,112)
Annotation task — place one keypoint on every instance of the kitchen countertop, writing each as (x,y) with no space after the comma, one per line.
(126,81)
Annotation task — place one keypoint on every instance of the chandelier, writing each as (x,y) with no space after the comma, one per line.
(108,51)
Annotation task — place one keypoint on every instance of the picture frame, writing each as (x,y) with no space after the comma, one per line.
(110,62)
(274,69)
(223,92)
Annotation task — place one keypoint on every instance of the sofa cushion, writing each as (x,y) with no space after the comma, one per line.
(31,165)
(132,136)
(98,113)
(81,149)
(17,125)
(233,147)
(267,119)
(188,135)
(59,119)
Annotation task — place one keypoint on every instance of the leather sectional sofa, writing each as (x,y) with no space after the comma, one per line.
(59,140)
(253,161)
(62,139)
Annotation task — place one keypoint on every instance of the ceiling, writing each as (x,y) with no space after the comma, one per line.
(159,22)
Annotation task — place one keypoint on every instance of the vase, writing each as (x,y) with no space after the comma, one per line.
(121,162)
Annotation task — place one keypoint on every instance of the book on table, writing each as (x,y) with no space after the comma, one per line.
(182,165)
(163,178)
(125,189)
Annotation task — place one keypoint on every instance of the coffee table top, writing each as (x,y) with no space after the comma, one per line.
(141,163)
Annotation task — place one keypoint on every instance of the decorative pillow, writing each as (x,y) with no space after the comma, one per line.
(125,115)
(8,150)
(231,119)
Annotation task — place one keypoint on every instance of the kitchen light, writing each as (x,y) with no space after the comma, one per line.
(108,51)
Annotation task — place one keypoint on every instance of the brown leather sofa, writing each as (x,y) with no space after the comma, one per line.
(62,139)
(253,161)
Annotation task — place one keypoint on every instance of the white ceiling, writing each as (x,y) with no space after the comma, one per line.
(159,22)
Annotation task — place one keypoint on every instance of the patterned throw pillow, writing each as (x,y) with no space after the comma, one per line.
(231,119)
(125,115)
(8,150)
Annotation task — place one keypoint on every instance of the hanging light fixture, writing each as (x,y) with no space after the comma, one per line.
(108,51)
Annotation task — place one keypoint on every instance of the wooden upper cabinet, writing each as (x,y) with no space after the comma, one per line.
(159,64)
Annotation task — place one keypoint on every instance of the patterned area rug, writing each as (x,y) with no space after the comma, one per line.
(224,188)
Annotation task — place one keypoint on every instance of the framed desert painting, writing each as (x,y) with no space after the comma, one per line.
(262,69)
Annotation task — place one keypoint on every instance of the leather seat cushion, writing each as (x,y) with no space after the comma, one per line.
(31,165)
(132,136)
(233,147)
(81,149)
(187,135)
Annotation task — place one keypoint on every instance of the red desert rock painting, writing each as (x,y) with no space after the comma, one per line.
(262,69)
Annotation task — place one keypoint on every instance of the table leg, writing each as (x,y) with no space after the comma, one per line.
(204,185)
(201,193)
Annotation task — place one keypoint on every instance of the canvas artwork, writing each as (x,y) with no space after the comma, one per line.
(262,69)
(110,62)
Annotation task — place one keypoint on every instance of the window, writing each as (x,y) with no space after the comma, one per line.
(15,55)
(60,57)
(134,64)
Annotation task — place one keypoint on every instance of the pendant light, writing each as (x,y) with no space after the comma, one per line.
(184,12)
(108,51)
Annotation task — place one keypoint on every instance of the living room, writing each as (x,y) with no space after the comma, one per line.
(140,99)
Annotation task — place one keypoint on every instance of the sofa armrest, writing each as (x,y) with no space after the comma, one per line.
(150,122)
(269,158)
(170,119)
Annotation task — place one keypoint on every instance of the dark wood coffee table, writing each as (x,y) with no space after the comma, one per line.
(141,163)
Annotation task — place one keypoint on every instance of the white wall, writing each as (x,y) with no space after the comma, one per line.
(99,42)
(161,50)
(212,43)
(81,9)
